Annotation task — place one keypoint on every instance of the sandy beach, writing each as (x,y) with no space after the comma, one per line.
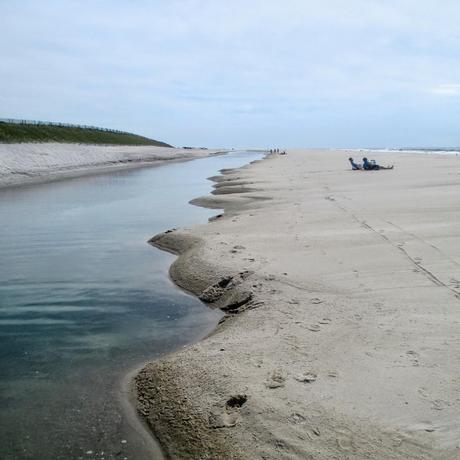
(28,163)
(341,337)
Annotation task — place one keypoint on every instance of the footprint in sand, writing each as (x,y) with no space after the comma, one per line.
(314,328)
(325,321)
(439,404)
(276,379)
(345,439)
(414,357)
(297,418)
(316,301)
(229,415)
(306,377)
(423,393)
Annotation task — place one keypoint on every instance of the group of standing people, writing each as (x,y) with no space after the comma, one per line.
(278,151)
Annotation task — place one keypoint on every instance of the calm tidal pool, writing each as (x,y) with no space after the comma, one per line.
(84,299)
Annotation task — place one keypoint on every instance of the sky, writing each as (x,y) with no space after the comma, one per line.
(234,73)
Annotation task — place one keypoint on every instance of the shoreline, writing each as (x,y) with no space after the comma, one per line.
(178,247)
(290,371)
(127,400)
(49,162)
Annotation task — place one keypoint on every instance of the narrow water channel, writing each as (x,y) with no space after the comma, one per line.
(84,299)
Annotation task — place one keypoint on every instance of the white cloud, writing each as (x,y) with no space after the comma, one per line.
(173,67)
(447,89)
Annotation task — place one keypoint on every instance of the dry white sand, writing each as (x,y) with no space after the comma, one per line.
(37,162)
(342,335)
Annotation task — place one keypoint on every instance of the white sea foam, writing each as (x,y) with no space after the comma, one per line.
(396,151)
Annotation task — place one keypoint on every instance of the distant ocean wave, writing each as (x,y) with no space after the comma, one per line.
(431,151)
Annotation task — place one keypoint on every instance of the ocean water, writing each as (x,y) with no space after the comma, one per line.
(84,299)
(426,151)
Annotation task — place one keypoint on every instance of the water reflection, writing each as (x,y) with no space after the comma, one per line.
(83,298)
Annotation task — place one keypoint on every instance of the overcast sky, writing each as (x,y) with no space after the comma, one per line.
(287,73)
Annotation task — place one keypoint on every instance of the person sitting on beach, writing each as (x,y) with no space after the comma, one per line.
(354,166)
(371,165)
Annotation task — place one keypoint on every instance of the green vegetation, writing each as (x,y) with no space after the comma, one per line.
(16,133)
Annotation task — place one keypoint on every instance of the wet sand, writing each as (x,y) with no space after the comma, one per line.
(341,291)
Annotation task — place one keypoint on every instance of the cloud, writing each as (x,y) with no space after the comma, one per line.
(174,67)
(447,89)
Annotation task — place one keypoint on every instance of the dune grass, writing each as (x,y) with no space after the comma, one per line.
(17,133)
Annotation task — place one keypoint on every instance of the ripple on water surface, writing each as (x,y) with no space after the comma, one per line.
(84,298)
